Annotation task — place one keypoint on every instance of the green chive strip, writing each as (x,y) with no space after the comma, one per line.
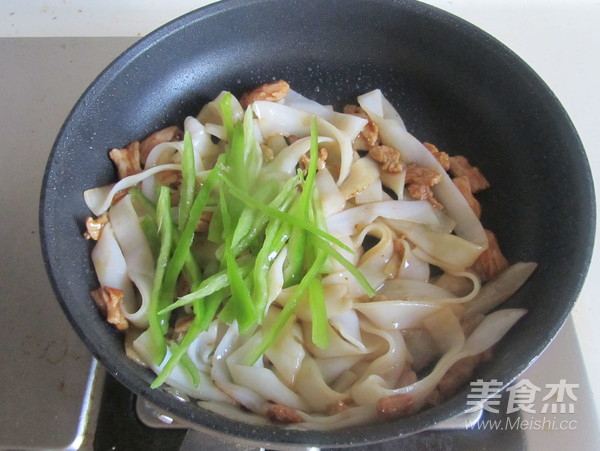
(179,352)
(298,239)
(248,221)
(140,198)
(207,287)
(261,220)
(200,323)
(188,180)
(240,294)
(163,212)
(309,183)
(296,248)
(275,213)
(182,249)
(319,243)
(191,270)
(252,151)
(215,228)
(149,228)
(188,365)
(277,234)
(288,310)
(234,157)
(364,283)
(227,113)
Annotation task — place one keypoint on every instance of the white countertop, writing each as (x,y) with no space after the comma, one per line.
(559,39)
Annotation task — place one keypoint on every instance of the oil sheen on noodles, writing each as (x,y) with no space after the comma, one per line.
(320,269)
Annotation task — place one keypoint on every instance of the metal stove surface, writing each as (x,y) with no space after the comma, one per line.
(54,395)
(46,371)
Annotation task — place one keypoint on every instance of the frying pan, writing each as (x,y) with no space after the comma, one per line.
(455,86)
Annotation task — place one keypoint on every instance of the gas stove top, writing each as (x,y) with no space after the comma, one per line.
(56,396)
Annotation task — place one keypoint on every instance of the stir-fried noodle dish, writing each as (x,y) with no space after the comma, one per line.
(276,261)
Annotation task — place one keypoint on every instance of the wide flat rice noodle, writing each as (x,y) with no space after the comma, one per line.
(394,134)
(353,220)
